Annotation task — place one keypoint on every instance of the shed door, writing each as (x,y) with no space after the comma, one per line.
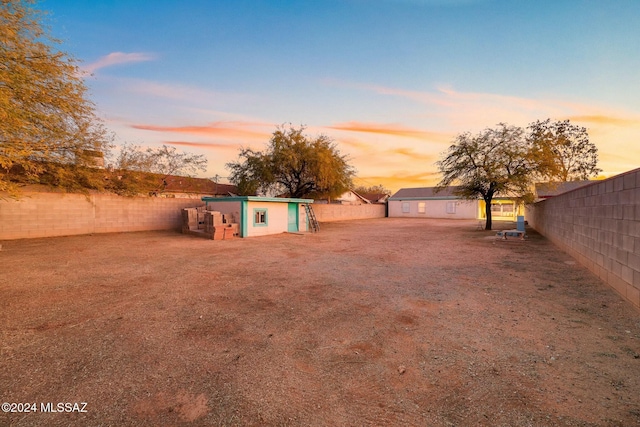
(292,223)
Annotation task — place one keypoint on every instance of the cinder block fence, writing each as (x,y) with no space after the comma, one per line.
(49,214)
(330,212)
(599,225)
(39,214)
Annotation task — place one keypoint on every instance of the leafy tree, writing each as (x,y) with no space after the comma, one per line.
(48,128)
(563,151)
(139,171)
(295,164)
(493,162)
(374,189)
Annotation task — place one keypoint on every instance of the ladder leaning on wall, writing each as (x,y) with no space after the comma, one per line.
(314,227)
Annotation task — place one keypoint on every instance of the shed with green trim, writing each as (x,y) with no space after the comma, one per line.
(260,216)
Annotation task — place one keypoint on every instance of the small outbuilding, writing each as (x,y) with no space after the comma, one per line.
(260,216)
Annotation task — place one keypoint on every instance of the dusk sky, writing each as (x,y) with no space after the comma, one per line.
(391,81)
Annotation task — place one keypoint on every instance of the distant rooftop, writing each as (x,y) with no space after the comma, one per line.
(425,193)
(184,184)
(375,197)
(545,190)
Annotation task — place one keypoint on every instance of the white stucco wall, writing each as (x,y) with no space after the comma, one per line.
(464,209)
(277,218)
(302,219)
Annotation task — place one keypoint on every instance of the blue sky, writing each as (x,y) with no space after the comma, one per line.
(391,81)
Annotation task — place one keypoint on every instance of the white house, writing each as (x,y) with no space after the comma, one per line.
(259,216)
(424,202)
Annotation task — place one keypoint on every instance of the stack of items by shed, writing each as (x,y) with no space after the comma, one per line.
(210,224)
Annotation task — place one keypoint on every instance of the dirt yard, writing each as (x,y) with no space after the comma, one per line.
(387,322)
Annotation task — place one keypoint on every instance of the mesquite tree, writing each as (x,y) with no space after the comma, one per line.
(494,162)
(293,164)
(137,170)
(48,127)
(563,151)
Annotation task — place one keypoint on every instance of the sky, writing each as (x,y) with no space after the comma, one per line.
(392,82)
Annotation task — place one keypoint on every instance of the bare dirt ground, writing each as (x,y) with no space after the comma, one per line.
(368,323)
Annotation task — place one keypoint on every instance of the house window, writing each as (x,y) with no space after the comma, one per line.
(451,207)
(422,207)
(259,217)
(502,209)
(405,207)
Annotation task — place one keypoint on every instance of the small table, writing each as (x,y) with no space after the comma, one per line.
(514,233)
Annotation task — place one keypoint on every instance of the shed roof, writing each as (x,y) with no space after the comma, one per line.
(256,199)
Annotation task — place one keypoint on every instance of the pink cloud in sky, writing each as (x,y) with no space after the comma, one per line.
(205,145)
(606,120)
(229,130)
(476,110)
(421,97)
(391,129)
(526,104)
(116,58)
(355,144)
(196,99)
(472,111)
(413,155)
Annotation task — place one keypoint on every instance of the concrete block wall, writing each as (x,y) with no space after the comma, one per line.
(335,212)
(41,214)
(599,225)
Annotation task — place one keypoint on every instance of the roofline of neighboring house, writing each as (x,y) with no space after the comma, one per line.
(384,197)
(256,199)
(364,199)
(590,184)
(399,199)
(392,199)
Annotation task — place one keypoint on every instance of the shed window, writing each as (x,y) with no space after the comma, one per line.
(422,207)
(259,217)
(451,207)
(405,207)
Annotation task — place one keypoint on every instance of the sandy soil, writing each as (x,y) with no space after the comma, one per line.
(368,323)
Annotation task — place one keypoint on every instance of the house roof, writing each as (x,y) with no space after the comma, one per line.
(359,196)
(425,193)
(184,184)
(345,196)
(375,197)
(550,189)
